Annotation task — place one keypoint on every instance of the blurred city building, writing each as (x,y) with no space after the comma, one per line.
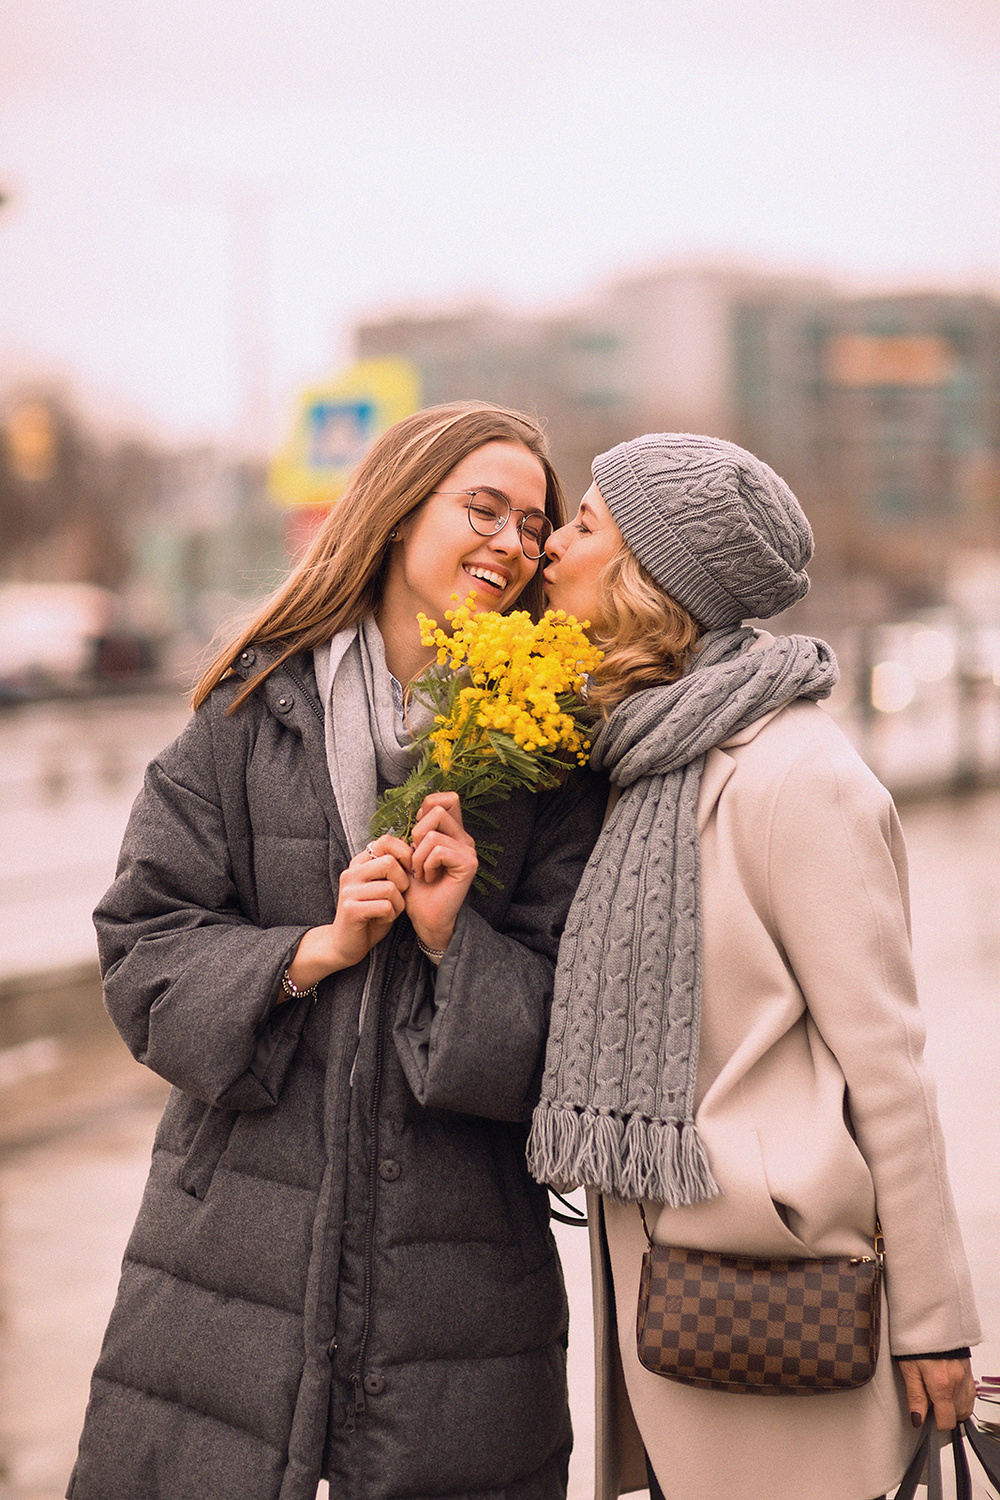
(883,411)
(566,369)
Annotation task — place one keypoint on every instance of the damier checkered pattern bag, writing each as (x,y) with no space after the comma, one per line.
(770,1327)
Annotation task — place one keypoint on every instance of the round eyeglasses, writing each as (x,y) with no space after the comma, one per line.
(489,513)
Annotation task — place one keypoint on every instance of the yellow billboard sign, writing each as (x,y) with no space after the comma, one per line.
(861,359)
(336,424)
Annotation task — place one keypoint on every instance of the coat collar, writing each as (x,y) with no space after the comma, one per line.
(291,695)
(719,765)
(289,689)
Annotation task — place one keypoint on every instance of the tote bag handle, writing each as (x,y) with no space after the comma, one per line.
(926,1460)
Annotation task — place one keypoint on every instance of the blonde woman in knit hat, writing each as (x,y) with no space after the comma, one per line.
(736,1040)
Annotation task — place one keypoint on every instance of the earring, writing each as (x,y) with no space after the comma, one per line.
(394,535)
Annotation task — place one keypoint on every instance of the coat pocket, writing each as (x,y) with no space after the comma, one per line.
(205,1151)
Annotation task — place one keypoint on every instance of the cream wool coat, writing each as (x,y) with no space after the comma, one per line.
(813,1103)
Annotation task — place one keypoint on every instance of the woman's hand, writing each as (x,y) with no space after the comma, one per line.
(371,896)
(945,1384)
(443,868)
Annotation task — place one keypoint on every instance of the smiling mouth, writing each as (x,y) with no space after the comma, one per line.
(494,580)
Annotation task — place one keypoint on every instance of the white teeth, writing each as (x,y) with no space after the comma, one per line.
(497,579)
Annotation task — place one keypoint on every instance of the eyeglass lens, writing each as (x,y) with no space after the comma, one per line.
(488,514)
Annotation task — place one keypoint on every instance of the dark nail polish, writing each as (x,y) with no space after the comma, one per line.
(916,1419)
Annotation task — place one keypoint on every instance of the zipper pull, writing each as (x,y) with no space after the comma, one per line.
(356,1410)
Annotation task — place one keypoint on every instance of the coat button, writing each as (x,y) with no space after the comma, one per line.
(374,1385)
(389,1170)
(284,703)
(248,657)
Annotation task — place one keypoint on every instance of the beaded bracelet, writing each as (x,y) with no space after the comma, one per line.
(434,954)
(292,990)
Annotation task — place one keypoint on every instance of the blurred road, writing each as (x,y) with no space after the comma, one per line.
(69,772)
(78,1117)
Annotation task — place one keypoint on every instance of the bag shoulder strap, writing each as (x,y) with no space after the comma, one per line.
(578,1219)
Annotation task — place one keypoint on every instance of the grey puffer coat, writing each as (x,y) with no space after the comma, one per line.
(340,1265)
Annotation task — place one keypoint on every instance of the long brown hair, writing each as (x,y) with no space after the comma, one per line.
(646,636)
(341,577)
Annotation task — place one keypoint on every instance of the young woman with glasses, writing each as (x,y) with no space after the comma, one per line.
(341,1267)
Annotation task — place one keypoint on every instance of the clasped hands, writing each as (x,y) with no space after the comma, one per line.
(427,878)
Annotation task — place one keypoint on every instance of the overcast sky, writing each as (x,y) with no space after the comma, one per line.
(414,151)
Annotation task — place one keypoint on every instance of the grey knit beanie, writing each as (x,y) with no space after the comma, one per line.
(717,529)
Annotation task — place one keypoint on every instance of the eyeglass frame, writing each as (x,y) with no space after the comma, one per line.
(512,510)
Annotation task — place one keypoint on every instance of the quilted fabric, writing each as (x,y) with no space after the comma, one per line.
(340,1266)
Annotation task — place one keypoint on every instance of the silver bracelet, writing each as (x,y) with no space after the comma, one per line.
(292,990)
(434,954)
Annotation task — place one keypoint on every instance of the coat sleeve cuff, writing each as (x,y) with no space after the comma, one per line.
(964,1353)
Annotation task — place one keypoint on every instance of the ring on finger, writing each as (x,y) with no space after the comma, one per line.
(370,851)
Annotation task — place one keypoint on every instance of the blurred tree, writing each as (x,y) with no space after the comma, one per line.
(70,503)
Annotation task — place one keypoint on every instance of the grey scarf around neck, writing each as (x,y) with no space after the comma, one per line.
(617,1105)
(367,743)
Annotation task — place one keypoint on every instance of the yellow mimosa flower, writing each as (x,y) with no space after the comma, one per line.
(506,690)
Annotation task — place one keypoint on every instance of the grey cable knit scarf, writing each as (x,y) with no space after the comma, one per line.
(617,1106)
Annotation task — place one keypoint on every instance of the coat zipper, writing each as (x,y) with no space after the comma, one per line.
(356,1410)
(313,701)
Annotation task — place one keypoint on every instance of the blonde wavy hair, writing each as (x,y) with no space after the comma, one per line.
(341,577)
(646,636)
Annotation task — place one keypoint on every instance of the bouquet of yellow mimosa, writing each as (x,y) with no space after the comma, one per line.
(506,692)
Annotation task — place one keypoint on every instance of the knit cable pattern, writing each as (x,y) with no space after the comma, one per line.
(715,526)
(617,1105)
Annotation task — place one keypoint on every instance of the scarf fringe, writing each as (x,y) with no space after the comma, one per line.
(626,1158)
